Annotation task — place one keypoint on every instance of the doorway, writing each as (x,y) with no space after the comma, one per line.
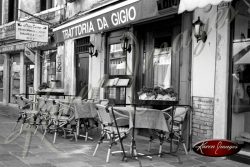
(82,67)
(14,76)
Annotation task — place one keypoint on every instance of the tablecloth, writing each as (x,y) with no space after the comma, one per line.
(85,110)
(145,118)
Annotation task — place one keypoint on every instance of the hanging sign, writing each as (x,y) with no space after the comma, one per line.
(29,53)
(99,22)
(31,31)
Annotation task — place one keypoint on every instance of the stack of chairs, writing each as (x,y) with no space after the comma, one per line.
(60,117)
(27,112)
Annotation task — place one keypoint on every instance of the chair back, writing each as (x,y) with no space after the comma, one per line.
(104,102)
(52,107)
(104,114)
(180,112)
(41,104)
(20,102)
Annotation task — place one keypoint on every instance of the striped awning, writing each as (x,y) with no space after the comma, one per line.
(190,5)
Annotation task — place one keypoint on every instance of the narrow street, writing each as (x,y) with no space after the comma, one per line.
(65,153)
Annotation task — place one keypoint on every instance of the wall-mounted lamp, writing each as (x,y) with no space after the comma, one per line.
(126,47)
(92,50)
(199,32)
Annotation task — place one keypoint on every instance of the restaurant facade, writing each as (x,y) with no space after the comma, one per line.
(116,49)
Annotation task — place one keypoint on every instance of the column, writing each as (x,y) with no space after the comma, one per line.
(37,71)
(22,73)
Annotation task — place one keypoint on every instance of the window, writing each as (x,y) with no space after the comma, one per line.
(46,4)
(117,61)
(116,67)
(157,63)
(240,78)
(49,67)
(12,10)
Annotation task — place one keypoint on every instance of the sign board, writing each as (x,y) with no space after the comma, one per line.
(99,23)
(31,31)
(7,31)
(30,54)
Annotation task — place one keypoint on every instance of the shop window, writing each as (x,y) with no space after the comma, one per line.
(117,60)
(157,64)
(240,78)
(49,68)
(116,67)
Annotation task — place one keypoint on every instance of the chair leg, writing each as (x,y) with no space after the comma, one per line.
(108,154)
(185,148)
(21,129)
(45,131)
(55,134)
(98,144)
(149,144)
(86,135)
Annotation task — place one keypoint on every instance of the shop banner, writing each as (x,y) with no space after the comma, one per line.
(100,21)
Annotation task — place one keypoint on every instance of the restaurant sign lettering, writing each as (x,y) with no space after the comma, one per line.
(100,23)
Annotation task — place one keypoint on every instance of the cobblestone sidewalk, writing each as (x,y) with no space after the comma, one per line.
(65,153)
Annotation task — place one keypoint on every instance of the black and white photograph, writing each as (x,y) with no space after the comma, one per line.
(124,83)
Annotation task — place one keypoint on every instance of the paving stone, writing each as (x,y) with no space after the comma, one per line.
(42,165)
(74,164)
(205,159)
(7,157)
(15,163)
(11,147)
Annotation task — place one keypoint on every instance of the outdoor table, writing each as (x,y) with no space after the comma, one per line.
(84,110)
(145,118)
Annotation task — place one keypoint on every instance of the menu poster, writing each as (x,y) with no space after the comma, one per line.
(116,82)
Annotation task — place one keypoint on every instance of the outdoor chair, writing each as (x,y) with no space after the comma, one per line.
(60,117)
(26,112)
(115,127)
(179,114)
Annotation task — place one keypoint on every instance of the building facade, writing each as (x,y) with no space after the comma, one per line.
(161,51)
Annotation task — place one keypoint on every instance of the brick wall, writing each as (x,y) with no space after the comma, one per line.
(203,118)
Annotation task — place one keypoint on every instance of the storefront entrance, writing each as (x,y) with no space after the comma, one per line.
(14,76)
(82,67)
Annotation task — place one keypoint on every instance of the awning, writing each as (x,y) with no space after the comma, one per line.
(190,5)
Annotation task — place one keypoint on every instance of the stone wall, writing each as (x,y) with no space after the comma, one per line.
(203,118)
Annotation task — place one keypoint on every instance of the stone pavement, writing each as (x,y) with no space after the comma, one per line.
(65,153)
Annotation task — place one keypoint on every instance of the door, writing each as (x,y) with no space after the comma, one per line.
(14,76)
(82,66)
(82,72)
(29,80)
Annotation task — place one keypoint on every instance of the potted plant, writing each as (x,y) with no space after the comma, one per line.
(44,85)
